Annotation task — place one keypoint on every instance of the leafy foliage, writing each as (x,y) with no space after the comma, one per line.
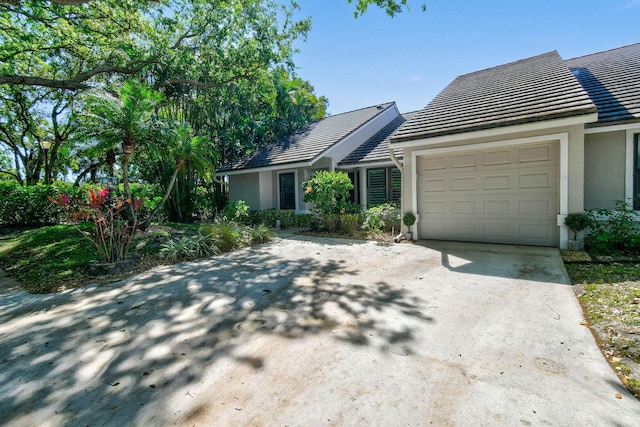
(408,219)
(287,218)
(237,211)
(225,234)
(259,234)
(189,248)
(382,218)
(613,230)
(111,234)
(577,221)
(328,191)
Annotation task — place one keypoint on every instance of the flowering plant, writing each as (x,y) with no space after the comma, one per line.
(112,232)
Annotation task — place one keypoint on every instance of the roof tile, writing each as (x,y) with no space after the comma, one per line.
(310,142)
(612,80)
(529,90)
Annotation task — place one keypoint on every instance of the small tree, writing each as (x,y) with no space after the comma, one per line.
(328,191)
(577,222)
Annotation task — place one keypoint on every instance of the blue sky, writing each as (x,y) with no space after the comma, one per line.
(410,58)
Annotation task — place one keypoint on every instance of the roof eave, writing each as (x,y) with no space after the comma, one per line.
(419,140)
(293,165)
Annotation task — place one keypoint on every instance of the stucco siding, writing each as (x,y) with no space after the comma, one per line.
(243,187)
(604,166)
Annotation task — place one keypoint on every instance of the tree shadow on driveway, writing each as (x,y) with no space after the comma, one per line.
(97,355)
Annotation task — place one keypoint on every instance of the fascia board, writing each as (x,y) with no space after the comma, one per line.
(496,132)
(266,168)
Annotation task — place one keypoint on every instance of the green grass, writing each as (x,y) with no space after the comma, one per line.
(46,258)
(603,273)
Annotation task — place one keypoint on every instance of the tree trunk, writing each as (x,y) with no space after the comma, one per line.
(131,214)
(147,223)
(91,168)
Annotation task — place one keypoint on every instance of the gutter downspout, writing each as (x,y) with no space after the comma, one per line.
(395,160)
(401,169)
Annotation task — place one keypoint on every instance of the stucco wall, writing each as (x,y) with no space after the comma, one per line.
(604,166)
(245,187)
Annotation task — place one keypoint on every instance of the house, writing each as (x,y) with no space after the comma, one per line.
(356,142)
(502,155)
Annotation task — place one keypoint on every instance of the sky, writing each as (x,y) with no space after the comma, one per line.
(374,59)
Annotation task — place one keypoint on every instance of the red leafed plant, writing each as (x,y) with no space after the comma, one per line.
(112,232)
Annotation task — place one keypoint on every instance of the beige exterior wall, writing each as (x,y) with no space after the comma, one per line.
(243,187)
(604,166)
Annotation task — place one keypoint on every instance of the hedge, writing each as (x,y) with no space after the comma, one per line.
(28,206)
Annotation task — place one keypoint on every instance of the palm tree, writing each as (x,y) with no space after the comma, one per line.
(126,120)
(182,148)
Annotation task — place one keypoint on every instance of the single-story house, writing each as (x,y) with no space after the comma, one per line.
(502,155)
(356,142)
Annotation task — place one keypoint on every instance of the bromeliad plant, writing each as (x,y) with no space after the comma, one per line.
(112,232)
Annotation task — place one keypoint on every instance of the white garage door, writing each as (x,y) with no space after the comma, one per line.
(499,195)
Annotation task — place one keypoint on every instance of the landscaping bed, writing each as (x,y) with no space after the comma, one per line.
(608,289)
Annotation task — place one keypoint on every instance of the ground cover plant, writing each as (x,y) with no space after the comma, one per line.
(53,258)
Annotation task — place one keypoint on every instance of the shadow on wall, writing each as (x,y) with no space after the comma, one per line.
(109,349)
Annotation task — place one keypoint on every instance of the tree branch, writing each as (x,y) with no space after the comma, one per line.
(12,79)
(15,175)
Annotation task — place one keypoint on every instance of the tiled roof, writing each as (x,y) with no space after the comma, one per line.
(310,142)
(529,90)
(376,148)
(612,80)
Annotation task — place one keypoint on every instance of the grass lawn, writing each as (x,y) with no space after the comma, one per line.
(46,258)
(49,259)
(610,297)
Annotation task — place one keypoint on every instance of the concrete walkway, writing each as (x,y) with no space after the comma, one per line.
(313,332)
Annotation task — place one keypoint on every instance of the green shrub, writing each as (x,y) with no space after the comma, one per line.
(188,248)
(350,223)
(269,217)
(577,222)
(237,211)
(28,206)
(408,219)
(383,217)
(613,230)
(259,234)
(328,191)
(225,234)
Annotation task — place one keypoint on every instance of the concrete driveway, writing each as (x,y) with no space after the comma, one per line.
(313,332)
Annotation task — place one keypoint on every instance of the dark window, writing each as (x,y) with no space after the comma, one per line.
(287,190)
(636,173)
(383,185)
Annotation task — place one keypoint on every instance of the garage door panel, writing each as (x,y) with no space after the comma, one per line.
(465,183)
(498,182)
(497,158)
(535,180)
(536,154)
(464,161)
(503,196)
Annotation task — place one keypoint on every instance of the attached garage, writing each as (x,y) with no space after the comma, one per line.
(502,195)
